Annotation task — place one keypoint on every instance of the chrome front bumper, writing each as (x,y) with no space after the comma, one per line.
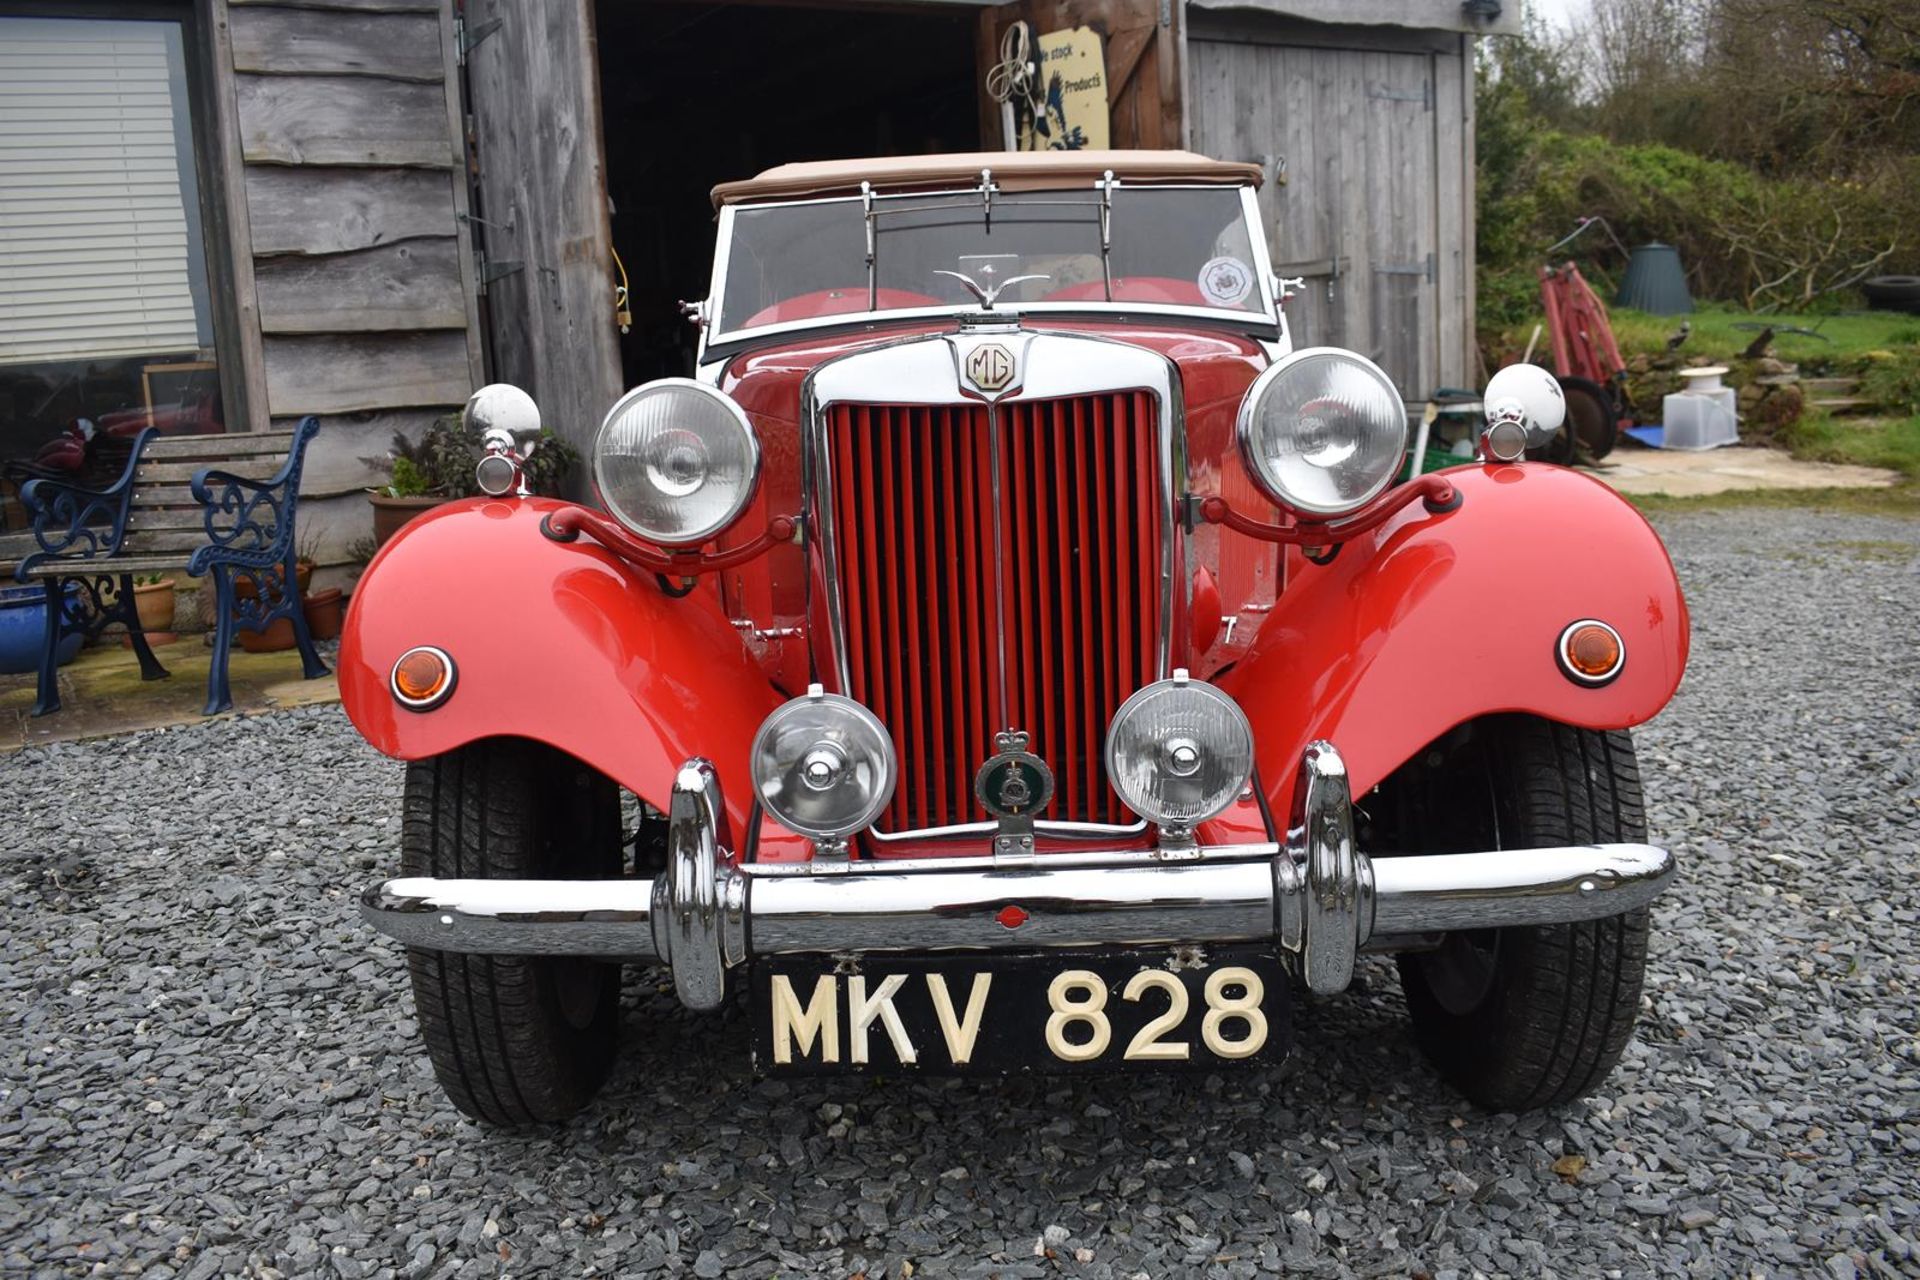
(1316,895)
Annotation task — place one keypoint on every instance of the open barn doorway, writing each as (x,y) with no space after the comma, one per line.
(696,94)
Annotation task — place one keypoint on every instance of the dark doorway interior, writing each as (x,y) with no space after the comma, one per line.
(696,94)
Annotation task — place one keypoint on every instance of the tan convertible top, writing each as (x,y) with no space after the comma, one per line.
(1012,171)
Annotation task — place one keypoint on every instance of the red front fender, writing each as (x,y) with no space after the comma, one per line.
(1434,620)
(558,642)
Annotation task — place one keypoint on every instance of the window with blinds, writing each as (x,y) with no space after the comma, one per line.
(100,251)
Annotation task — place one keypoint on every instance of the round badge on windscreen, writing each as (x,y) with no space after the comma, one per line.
(1226,282)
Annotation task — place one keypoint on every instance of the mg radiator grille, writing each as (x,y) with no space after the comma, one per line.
(969,607)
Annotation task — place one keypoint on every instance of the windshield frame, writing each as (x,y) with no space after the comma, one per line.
(1263,320)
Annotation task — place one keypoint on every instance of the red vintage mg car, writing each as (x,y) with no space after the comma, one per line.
(1010,652)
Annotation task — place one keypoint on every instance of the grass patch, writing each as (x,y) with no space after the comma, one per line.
(1901,500)
(1872,551)
(1848,337)
(1890,443)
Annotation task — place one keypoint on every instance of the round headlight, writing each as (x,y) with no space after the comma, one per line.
(824,765)
(1179,751)
(1323,430)
(675,461)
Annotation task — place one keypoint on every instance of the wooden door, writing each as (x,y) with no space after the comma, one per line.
(1348,138)
(1141,43)
(547,273)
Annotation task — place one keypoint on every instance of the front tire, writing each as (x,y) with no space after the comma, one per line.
(1528,1017)
(514,1040)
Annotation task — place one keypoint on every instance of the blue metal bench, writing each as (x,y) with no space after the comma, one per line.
(167,503)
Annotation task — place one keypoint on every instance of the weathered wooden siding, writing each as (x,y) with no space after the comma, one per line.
(1367,137)
(348,156)
(535,91)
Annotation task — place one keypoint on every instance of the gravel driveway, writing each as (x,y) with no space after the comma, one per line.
(209,1067)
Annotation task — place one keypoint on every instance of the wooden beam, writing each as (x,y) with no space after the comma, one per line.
(535,90)
(1124,50)
(461,183)
(314,209)
(412,285)
(343,120)
(1425,15)
(225,149)
(1230,26)
(403,46)
(349,6)
(336,374)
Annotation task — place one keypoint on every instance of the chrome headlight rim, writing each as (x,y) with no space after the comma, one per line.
(1236,717)
(712,528)
(1246,425)
(865,817)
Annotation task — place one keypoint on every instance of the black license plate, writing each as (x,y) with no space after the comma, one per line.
(1003,1012)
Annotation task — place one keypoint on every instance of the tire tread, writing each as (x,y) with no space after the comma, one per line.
(1565,997)
(500,1048)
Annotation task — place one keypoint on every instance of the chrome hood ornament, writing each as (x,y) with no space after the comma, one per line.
(991,291)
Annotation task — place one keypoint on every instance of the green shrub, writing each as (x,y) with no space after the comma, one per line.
(1891,379)
(409,481)
(1765,242)
(441,462)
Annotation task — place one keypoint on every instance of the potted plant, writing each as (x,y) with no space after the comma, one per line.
(154,601)
(439,468)
(403,498)
(421,475)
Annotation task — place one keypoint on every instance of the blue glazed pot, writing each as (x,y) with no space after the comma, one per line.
(23,629)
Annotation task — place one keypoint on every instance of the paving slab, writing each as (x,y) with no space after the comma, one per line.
(101,692)
(1684,473)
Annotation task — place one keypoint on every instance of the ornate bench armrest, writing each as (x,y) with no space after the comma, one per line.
(74,522)
(250,522)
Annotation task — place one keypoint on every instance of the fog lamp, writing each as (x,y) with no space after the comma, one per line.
(423,678)
(824,765)
(1591,652)
(1178,752)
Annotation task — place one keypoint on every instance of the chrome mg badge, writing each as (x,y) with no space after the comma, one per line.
(990,366)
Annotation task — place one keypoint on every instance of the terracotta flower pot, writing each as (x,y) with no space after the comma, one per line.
(325,612)
(390,513)
(154,602)
(279,633)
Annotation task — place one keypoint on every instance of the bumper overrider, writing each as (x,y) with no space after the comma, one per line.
(1315,895)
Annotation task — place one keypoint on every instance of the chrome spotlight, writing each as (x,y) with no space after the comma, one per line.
(824,766)
(1178,752)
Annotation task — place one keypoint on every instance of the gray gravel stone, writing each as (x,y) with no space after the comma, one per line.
(211,1068)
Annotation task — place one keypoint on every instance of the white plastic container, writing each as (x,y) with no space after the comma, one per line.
(1700,419)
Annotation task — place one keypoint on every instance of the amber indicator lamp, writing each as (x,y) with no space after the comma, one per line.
(1591,652)
(423,677)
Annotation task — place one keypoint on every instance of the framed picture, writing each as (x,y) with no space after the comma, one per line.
(183,397)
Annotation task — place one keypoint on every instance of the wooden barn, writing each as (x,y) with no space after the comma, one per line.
(226,214)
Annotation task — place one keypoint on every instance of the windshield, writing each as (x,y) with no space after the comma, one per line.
(1165,247)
